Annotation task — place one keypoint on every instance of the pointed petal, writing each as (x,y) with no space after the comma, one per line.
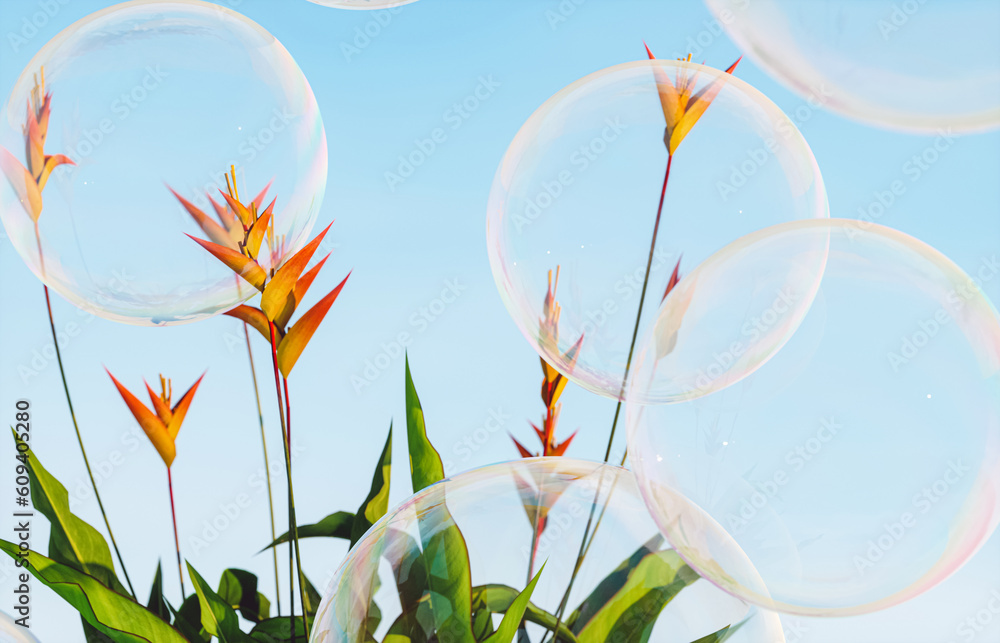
(51,163)
(241,211)
(255,317)
(154,429)
(162,410)
(34,147)
(696,108)
(257,200)
(299,293)
(215,232)
(674,278)
(281,284)
(299,335)
(240,264)
(521,448)
(181,408)
(258,229)
(648,52)
(226,216)
(560,449)
(538,432)
(23,183)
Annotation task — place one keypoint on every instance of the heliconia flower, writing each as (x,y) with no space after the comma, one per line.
(282,287)
(29,180)
(553,382)
(163,422)
(681,106)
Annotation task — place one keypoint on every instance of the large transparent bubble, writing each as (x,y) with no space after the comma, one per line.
(578,191)
(146,95)
(859,465)
(910,65)
(11,632)
(400,575)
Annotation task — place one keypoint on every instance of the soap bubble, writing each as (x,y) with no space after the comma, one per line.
(11,632)
(493,509)
(362,4)
(147,95)
(859,465)
(909,65)
(578,191)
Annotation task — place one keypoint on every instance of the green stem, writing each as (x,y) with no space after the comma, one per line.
(588,538)
(267,466)
(72,414)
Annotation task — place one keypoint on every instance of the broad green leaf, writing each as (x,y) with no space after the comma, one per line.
(157,605)
(403,552)
(72,541)
(111,613)
(239,589)
(187,619)
(92,635)
(278,630)
(217,617)
(425,463)
(632,612)
(445,555)
(312,596)
(499,598)
(377,502)
(336,525)
(515,613)
(611,584)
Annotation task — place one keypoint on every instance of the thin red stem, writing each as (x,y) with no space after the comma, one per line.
(267,465)
(177,541)
(294,556)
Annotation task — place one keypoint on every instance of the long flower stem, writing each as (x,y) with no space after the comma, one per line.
(267,466)
(588,538)
(177,542)
(303,597)
(292,528)
(72,414)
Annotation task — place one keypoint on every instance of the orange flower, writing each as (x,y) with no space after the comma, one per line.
(681,106)
(553,382)
(28,182)
(163,422)
(282,286)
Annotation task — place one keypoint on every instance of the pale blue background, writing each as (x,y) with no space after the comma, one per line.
(405,247)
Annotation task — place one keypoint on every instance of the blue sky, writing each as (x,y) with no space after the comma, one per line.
(420,265)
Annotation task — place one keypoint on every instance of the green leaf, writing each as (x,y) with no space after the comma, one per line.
(312,596)
(115,615)
(157,605)
(633,610)
(187,619)
(336,525)
(425,463)
(377,502)
(217,617)
(402,551)
(515,613)
(72,541)
(239,589)
(721,635)
(611,584)
(499,598)
(445,556)
(277,630)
